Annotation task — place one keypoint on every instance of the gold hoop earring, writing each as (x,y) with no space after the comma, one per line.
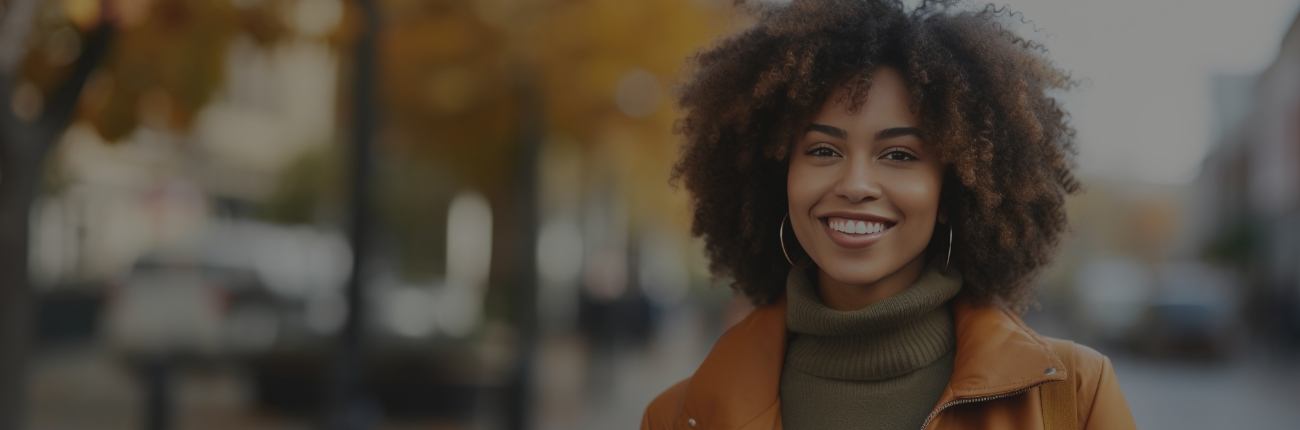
(949,259)
(781,236)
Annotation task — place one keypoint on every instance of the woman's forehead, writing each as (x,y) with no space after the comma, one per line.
(885,103)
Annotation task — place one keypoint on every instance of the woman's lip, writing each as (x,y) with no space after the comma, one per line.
(856,216)
(854,241)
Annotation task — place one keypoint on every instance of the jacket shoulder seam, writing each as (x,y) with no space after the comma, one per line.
(760,413)
(1096,389)
(1043,342)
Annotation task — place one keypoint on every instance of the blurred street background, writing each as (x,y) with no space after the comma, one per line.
(455,214)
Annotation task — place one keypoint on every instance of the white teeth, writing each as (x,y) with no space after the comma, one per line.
(849,226)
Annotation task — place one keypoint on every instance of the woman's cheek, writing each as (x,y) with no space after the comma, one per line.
(917,195)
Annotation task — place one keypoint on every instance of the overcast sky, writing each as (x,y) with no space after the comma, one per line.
(1145,112)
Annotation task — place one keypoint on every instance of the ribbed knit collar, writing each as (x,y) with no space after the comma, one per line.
(889,338)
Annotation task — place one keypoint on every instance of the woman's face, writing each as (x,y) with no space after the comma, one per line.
(864,189)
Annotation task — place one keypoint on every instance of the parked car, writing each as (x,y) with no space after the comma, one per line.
(428,350)
(174,305)
(428,347)
(217,297)
(1193,312)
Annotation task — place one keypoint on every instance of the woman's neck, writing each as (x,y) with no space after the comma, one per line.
(847,297)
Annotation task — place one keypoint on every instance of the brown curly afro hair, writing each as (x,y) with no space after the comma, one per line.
(982,94)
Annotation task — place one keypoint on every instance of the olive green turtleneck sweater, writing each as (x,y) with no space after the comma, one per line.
(880,367)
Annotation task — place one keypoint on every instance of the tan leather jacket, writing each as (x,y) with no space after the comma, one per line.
(999,366)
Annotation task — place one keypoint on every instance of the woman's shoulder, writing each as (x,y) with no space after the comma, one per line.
(663,410)
(739,374)
(1087,363)
(1096,387)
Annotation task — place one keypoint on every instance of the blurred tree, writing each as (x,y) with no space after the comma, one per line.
(29,125)
(446,86)
(306,190)
(609,69)
(451,73)
(168,61)
(412,196)
(604,70)
(462,81)
(1235,244)
(165,65)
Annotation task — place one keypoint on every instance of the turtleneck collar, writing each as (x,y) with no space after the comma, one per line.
(895,336)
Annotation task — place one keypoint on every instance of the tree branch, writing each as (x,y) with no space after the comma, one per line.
(62,103)
(15,26)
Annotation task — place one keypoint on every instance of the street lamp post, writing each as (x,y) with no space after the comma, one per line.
(350,405)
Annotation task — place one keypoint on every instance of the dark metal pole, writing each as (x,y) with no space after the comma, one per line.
(523,296)
(156,377)
(350,405)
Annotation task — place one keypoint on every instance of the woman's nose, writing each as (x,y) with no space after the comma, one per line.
(858,183)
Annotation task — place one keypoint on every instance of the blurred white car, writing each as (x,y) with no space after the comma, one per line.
(222,295)
(172,306)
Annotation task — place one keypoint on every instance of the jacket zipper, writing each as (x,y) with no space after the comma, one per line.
(967,400)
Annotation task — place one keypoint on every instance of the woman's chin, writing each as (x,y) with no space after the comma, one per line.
(847,276)
(858,272)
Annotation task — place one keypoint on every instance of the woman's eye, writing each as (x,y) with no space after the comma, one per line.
(822,151)
(897,155)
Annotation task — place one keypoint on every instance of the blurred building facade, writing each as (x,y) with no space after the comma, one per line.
(1248,192)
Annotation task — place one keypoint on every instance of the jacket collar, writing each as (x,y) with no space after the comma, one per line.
(737,385)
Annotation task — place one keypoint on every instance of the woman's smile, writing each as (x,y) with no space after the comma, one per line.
(855,231)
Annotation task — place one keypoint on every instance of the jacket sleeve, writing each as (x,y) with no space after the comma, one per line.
(664,408)
(1104,408)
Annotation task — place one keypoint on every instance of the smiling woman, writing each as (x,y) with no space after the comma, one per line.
(863,194)
(884,183)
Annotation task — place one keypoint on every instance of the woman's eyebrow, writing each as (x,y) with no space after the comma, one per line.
(830,130)
(890,133)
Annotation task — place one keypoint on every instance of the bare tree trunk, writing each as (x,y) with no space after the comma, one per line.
(23,149)
(18,175)
(15,200)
